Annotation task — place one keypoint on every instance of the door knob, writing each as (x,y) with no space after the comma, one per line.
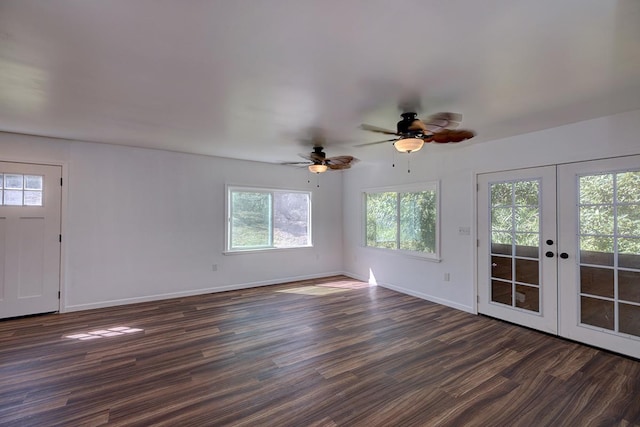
(549,254)
(564,255)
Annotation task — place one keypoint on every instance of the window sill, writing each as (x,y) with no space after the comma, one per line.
(263,250)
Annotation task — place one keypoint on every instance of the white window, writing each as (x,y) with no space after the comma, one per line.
(403,219)
(261,218)
(20,190)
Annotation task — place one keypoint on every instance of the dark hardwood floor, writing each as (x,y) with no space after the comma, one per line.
(330,352)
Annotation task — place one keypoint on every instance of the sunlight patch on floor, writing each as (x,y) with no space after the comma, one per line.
(104,333)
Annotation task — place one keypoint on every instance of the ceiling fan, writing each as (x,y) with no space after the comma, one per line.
(318,161)
(412,133)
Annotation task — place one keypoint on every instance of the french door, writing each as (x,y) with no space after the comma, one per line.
(30,199)
(559,250)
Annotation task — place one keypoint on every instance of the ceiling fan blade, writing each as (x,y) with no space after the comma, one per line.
(374,143)
(447,136)
(340,160)
(438,121)
(295,163)
(339,166)
(377,129)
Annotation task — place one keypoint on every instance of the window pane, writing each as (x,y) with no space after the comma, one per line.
(629,187)
(596,220)
(501,194)
(528,244)
(596,189)
(502,219)
(1,179)
(13,181)
(33,182)
(418,221)
(629,253)
(501,243)
(528,298)
(528,219)
(250,219)
(382,220)
(290,219)
(596,250)
(629,220)
(596,312)
(597,281)
(33,198)
(13,197)
(527,193)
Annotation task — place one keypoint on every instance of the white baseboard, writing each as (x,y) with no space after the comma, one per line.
(416,294)
(159,297)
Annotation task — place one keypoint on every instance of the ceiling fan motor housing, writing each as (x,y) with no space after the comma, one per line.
(406,122)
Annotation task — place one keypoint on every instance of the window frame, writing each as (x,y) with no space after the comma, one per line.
(399,189)
(231,188)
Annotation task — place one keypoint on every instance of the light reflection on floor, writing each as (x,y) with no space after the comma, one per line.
(326,288)
(104,333)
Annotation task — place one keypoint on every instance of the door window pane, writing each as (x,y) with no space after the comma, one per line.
(629,319)
(597,281)
(501,292)
(597,312)
(501,243)
(526,193)
(629,285)
(629,220)
(501,267)
(628,187)
(527,271)
(528,297)
(596,220)
(13,197)
(13,181)
(596,189)
(33,182)
(501,194)
(629,253)
(502,219)
(527,244)
(596,250)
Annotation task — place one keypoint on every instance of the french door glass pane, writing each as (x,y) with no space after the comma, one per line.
(515,243)
(609,215)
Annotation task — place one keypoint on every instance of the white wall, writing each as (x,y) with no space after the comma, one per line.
(143,224)
(456,167)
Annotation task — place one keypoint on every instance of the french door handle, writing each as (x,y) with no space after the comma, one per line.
(549,254)
(564,255)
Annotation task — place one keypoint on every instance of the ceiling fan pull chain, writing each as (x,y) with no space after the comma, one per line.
(393,165)
(318,180)
(409,163)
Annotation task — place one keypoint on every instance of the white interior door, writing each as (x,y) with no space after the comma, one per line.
(599,272)
(517,270)
(30,198)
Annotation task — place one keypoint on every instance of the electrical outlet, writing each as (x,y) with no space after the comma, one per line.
(214,267)
(464,231)
(447,277)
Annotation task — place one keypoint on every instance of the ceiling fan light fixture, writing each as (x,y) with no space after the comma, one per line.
(317,168)
(408,145)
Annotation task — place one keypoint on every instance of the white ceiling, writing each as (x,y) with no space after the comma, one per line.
(248,78)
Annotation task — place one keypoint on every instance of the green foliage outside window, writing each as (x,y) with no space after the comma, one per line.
(402,220)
